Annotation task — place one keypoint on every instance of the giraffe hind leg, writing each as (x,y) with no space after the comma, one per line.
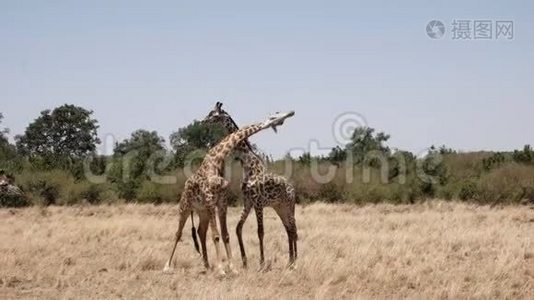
(202,233)
(287,219)
(181,223)
(239,231)
(259,219)
(293,227)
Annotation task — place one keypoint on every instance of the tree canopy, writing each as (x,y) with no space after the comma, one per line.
(363,142)
(9,159)
(143,141)
(195,136)
(132,159)
(68,131)
(3,130)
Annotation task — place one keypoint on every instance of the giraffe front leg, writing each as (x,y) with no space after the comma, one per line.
(226,238)
(216,239)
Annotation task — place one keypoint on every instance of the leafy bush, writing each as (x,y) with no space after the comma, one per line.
(436,174)
(468,191)
(511,183)
(8,199)
(524,156)
(494,161)
(81,192)
(367,170)
(156,193)
(93,194)
(149,193)
(331,193)
(45,187)
(59,188)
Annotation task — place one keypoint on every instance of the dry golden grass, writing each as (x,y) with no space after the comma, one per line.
(436,250)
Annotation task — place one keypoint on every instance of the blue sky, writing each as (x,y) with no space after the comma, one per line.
(160,64)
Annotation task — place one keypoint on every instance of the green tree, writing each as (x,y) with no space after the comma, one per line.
(400,163)
(524,156)
(195,136)
(63,135)
(305,158)
(134,159)
(337,155)
(495,160)
(3,130)
(9,159)
(433,172)
(364,141)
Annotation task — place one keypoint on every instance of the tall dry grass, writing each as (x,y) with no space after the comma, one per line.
(435,249)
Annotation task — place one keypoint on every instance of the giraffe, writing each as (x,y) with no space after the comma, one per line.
(204,191)
(7,185)
(260,189)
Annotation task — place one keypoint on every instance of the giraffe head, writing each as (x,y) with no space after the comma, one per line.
(218,116)
(277,119)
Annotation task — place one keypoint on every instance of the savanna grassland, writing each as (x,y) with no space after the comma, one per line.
(436,249)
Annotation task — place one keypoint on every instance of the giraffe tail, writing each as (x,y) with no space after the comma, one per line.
(194,234)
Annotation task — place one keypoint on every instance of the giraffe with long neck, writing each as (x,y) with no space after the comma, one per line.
(203,192)
(260,189)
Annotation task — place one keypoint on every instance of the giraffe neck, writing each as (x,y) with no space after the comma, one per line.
(251,162)
(217,155)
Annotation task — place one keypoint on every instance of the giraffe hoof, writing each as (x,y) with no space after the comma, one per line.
(292,266)
(264,268)
(168,269)
(232,270)
(221,274)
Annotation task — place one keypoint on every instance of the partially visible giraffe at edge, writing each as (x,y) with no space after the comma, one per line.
(7,185)
(203,192)
(260,189)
